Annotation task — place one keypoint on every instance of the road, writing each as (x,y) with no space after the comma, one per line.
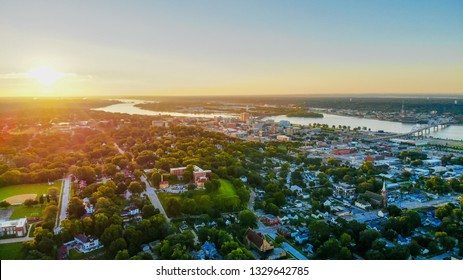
(293,251)
(15,240)
(64,202)
(150,191)
(119,149)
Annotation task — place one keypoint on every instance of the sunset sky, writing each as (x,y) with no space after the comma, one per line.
(64,48)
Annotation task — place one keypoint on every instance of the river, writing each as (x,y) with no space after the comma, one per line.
(128,107)
(454,132)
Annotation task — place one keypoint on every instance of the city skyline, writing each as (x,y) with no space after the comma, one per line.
(55,48)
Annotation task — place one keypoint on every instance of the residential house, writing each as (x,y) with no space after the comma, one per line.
(257,241)
(89,208)
(270,220)
(210,251)
(86,244)
(276,254)
(301,238)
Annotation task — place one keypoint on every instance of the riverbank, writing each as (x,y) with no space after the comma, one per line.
(452,132)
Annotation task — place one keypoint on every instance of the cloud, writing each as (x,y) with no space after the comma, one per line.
(14,76)
(71,76)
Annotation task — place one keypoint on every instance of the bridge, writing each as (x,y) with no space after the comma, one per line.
(421,129)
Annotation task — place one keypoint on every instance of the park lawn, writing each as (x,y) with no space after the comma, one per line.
(226,188)
(226,192)
(97,254)
(22,211)
(11,251)
(38,189)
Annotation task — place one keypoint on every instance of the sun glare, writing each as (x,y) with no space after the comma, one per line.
(45,75)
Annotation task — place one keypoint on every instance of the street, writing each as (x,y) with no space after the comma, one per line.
(64,202)
(293,251)
(150,191)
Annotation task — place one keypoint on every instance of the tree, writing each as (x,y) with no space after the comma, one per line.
(320,230)
(328,250)
(414,247)
(240,254)
(87,224)
(374,255)
(247,219)
(367,237)
(227,247)
(149,211)
(101,223)
(444,211)
(111,233)
(345,239)
(271,208)
(29,202)
(75,208)
(155,179)
(4,204)
(135,187)
(53,193)
(210,186)
(173,207)
(279,239)
(344,254)
(106,206)
(399,252)
(116,246)
(49,213)
(86,173)
(122,255)
(394,211)
(279,198)
(110,169)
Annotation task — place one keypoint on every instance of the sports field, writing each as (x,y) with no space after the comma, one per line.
(26,189)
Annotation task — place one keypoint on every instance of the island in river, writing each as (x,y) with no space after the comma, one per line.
(304,114)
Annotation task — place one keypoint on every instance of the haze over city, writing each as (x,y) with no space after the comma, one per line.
(85,48)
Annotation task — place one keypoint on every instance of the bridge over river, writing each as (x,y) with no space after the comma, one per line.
(421,129)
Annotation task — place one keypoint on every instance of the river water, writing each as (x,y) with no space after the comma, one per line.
(454,132)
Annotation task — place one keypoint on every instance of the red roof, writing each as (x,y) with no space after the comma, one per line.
(254,238)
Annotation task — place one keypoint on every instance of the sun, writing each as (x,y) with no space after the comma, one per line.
(45,75)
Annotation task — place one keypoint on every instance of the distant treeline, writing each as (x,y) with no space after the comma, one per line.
(420,105)
(304,114)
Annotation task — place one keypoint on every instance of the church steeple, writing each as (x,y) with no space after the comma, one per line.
(384,194)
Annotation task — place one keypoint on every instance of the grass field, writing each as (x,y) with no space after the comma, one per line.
(226,191)
(226,188)
(37,189)
(11,251)
(22,211)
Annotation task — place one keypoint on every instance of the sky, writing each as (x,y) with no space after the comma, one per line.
(230,47)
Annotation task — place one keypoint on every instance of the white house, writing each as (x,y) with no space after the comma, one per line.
(86,244)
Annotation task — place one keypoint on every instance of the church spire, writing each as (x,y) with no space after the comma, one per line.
(384,194)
